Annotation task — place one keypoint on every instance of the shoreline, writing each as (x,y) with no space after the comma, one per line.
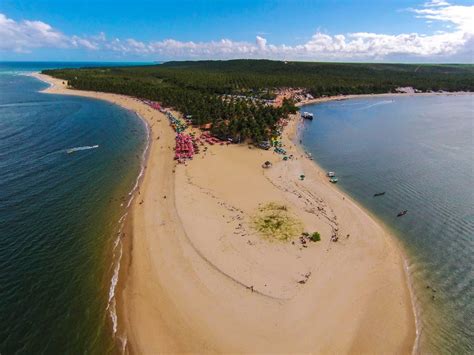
(124,241)
(367,96)
(294,136)
(189,249)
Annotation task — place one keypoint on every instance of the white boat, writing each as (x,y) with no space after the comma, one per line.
(307,115)
(331,174)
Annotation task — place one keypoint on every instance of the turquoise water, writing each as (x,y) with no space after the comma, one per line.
(59,215)
(420,151)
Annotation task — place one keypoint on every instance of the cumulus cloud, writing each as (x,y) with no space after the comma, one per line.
(379,46)
(434,3)
(462,17)
(455,42)
(24,36)
(261,43)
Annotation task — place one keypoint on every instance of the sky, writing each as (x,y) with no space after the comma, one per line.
(434,31)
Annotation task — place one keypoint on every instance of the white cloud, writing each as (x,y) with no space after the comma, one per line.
(434,3)
(76,41)
(379,46)
(456,41)
(462,17)
(261,43)
(26,35)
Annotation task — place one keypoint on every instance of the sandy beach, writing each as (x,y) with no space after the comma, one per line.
(199,277)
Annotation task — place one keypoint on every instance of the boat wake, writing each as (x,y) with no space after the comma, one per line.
(76,149)
(385,102)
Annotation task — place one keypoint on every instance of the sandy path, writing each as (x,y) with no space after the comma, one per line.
(194,255)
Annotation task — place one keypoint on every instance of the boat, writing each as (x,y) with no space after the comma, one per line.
(307,115)
(333,180)
(379,194)
(331,174)
(402,213)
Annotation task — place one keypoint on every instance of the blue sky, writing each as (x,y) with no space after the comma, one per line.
(383,30)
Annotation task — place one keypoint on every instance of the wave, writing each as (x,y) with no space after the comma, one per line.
(13,72)
(118,245)
(86,147)
(416,307)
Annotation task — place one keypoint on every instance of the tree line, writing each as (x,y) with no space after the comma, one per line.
(231,94)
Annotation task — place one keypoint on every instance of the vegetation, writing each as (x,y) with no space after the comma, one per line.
(261,76)
(231,94)
(315,237)
(274,221)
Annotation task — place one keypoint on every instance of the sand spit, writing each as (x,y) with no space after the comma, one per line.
(201,279)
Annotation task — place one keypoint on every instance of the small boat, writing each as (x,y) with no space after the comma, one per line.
(331,174)
(379,194)
(402,213)
(333,180)
(307,115)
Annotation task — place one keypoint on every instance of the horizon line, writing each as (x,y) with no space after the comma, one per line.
(228,60)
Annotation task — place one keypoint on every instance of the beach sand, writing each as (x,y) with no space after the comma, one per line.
(201,279)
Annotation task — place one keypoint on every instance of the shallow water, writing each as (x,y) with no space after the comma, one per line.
(59,215)
(419,150)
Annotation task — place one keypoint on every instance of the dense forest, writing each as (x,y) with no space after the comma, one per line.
(232,94)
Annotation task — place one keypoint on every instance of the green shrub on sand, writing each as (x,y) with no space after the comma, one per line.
(315,237)
(273,221)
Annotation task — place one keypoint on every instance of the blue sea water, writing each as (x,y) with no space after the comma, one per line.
(420,151)
(59,214)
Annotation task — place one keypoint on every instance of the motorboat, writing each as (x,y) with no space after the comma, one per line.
(307,115)
(402,213)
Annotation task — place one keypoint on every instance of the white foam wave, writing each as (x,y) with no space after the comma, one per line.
(416,309)
(123,217)
(118,247)
(112,303)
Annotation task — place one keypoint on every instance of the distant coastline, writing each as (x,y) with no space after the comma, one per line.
(173,246)
(388,94)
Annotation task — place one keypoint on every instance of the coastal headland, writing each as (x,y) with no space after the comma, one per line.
(201,278)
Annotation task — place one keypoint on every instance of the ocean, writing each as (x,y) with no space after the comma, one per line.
(419,150)
(61,214)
